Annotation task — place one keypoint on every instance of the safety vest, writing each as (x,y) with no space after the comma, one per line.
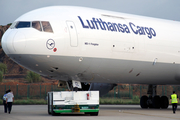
(174,98)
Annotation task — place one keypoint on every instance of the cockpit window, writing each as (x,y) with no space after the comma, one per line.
(23,25)
(46,26)
(37,25)
(13,25)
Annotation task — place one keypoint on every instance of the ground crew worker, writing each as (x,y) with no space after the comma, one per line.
(174,100)
(9,100)
(4,101)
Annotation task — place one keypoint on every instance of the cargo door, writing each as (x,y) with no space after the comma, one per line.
(72,33)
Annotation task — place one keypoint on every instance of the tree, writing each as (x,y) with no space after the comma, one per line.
(1,76)
(33,77)
(3,68)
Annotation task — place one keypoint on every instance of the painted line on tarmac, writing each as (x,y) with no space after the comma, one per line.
(125,111)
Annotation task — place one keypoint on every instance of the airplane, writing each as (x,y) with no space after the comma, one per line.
(97,49)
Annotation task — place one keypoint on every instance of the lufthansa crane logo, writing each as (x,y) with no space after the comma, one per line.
(50,44)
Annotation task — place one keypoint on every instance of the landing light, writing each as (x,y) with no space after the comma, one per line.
(80,59)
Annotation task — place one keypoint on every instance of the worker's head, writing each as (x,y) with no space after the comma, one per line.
(8,91)
(173,92)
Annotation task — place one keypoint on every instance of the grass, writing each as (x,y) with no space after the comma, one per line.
(118,101)
(102,101)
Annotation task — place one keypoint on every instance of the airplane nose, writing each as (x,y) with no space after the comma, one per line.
(19,42)
(13,42)
(7,41)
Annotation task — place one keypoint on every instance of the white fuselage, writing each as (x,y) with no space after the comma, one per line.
(92,45)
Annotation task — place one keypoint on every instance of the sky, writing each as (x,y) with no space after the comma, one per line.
(10,10)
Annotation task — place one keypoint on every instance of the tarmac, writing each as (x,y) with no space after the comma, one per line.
(107,112)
